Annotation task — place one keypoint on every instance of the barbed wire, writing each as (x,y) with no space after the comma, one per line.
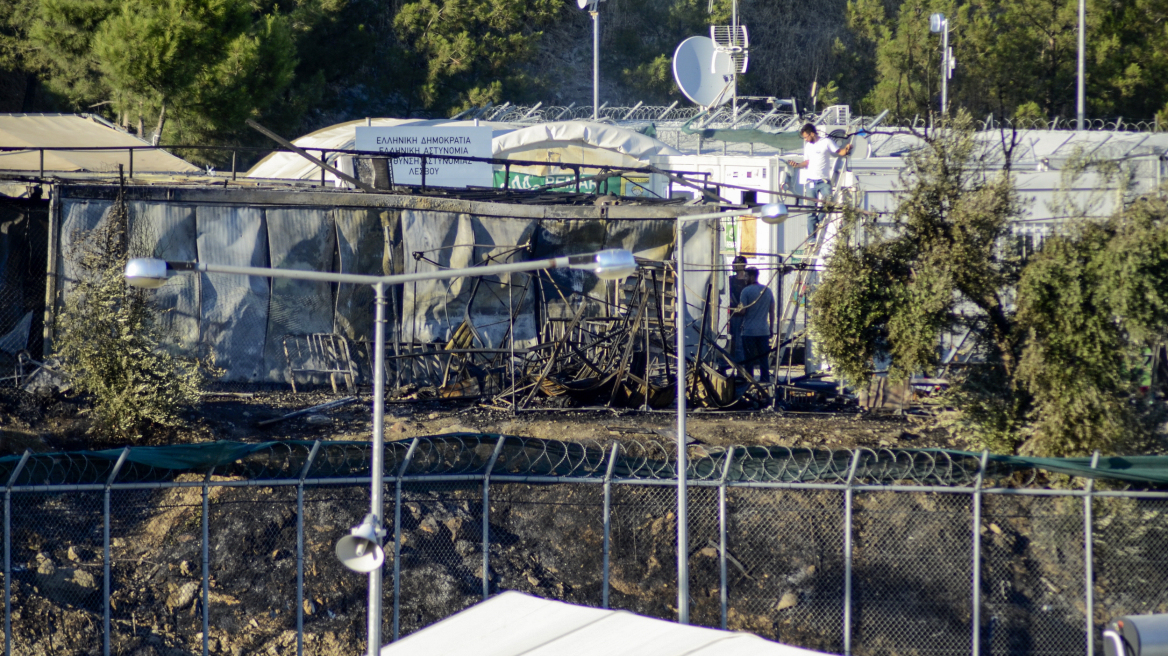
(471,454)
(675,115)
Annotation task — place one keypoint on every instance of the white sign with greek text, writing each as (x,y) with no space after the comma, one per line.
(438,144)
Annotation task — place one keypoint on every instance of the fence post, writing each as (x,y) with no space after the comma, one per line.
(976,607)
(487,516)
(608,521)
(722,534)
(1088,559)
(300,548)
(8,551)
(105,551)
(397,503)
(206,562)
(848,554)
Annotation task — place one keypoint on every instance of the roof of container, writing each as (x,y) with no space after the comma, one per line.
(31,132)
(514,623)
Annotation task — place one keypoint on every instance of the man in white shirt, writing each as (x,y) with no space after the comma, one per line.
(817,154)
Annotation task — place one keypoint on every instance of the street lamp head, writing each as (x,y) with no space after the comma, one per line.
(146,272)
(612,264)
(773,213)
(936,23)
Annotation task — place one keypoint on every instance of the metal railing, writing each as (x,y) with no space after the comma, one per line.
(857,552)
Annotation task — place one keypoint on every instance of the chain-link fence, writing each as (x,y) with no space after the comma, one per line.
(24,233)
(228,549)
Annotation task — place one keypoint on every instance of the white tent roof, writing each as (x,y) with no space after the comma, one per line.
(507,138)
(598,135)
(514,623)
(342,136)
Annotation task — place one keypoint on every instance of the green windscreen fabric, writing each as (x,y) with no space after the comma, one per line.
(1134,469)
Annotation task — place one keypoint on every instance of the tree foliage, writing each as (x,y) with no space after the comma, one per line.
(1058,333)
(210,63)
(1015,57)
(466,52)
(1091,302)
(109,341)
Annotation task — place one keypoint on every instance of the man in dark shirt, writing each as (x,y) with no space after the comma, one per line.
(758,321)
(738,282)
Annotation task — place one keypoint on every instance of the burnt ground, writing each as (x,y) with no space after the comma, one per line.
(911,563)
(56,422)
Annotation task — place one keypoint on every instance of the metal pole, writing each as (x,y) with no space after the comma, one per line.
(976,587)
(595,70)
(848,554)
(8,551)
(487,516)
(511,334)
(300,548)
(105,551)
(945,68)
(722,534)
(206,564)
(397,535)
(1081,91)
(131,162)
(377,482)
(1088,559)
(682,501)
(608,521)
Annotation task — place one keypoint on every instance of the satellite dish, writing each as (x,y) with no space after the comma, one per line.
(703,74)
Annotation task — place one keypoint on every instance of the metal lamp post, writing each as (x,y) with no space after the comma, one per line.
(939,23)
(364,543)
(593,8)
(1081,73)
(772,213)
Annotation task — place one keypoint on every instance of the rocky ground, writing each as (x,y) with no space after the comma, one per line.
(56,422)
(545,540)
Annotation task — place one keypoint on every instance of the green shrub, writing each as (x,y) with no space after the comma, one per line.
(109,341)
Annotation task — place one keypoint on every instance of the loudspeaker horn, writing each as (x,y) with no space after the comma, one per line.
(361,550)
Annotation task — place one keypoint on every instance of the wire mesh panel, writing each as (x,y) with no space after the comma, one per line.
(548,540)
(1032,575)
(57,573)
(442,557)
(335,598)
(785,565)
(252,568)
(912,573)
(644,550)
(24,244)
(705,575)
(1131,558)
(155,542)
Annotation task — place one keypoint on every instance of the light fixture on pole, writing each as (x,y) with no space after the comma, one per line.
(772,214)
(939,23)
(361,550)
(593,7)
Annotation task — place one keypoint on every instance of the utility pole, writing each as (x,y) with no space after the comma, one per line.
(1081,96)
